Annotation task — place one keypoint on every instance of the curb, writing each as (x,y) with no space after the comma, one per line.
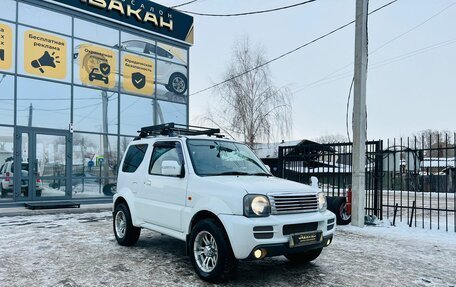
(22,211)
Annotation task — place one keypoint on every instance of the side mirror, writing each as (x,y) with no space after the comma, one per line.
(171,168)
(314,182)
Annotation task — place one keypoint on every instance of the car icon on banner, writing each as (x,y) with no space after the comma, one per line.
(96,75)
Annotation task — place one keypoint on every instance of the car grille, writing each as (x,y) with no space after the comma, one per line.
(293,203)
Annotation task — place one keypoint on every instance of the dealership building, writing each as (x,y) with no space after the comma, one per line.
(78,78)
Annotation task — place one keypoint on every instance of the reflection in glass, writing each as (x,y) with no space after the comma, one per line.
(137,44)
(96,33)
(6,153)
(172,83)
(94,155)
(51,155)
(6,100)
(44,18)
(51,188)
(124,141)
(95,110)
(172,53)
(93,187)
(135,112)
(170,112)
(43,104)
(8,10)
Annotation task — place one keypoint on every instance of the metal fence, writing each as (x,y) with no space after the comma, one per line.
(407,180)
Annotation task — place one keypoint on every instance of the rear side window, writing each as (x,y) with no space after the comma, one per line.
(134,157)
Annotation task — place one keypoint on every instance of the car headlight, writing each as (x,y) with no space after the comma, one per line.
(256,206)
(322,201)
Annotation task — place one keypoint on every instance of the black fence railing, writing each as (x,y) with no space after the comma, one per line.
(412,180)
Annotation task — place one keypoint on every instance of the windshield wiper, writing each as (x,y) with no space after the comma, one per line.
(260,174)
(233,173)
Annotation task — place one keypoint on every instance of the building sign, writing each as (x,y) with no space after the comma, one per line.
(6,47)
(142,14)
(138,75)
(45,54)
(97,66)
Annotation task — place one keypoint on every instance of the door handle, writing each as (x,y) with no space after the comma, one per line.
(148,182)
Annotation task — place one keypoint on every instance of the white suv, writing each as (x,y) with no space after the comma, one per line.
(218,197)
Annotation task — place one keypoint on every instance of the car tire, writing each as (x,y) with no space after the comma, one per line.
(126,234)
(304,257)
(177,84)
(210,252)
(339,207)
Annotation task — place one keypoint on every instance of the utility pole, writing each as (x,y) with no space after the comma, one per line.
(359,115)
(104,99)
(30,117)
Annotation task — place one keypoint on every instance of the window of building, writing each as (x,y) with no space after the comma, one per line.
(136,44)
(7,46)
(135,112)
(6,99)
(44,18)
(43,104)
(95,110)
(8,11)
(96,33)
(170,112)
(134,157)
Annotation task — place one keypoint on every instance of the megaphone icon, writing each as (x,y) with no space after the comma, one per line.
(46,60)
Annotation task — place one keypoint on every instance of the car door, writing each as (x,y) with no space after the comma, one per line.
(165,195)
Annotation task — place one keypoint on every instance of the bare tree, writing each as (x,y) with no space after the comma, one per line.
(250,107)
(336,138)
(435,142)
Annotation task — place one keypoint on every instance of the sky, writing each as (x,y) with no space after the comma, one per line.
(410,86)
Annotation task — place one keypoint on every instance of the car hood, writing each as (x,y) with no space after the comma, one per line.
(262,184)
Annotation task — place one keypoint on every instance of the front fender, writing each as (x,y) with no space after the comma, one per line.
(209,204)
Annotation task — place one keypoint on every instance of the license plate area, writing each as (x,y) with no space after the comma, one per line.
(305,238)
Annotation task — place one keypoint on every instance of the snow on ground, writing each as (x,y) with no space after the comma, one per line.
(80,250)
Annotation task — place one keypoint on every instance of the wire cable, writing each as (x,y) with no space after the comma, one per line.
(249,13)
(183,4)
(330,75)
(287,53)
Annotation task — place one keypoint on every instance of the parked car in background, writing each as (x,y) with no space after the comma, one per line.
(7,179)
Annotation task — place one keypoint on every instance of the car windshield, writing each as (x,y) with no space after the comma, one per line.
(215,158)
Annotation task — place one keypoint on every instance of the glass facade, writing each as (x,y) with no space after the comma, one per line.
(95,81)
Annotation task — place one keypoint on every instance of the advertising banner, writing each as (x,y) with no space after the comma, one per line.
(45,55)
(138,75)
(97,66)
(142,14)
(6,47)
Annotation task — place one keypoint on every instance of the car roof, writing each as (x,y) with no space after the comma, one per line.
(167,138)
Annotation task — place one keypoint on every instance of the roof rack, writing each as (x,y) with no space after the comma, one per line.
(172,129)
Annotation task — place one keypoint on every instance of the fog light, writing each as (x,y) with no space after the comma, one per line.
(328,242)
(259,253)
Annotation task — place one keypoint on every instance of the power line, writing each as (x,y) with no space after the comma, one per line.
(249,13)
(287,53)
(329,76)
(183,4)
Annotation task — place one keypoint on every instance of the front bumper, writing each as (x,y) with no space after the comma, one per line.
(270,234)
